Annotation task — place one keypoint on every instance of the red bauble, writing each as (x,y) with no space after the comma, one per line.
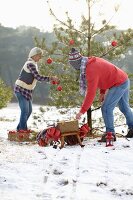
(114,43)
(55,82)
(49,60)
(59,88)
(71,42)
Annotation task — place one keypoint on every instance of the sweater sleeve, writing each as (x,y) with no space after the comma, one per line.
(90,94)
(35,73)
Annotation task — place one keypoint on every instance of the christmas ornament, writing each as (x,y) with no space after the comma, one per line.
(49,60)
(55,82)
(71,42)
(59,88)
(114,43)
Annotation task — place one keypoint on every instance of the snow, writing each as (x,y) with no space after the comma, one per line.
(31,172)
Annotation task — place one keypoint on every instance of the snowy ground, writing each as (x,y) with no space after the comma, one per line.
(31,172)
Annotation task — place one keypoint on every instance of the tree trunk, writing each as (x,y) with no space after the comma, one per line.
(89,116)
(89,120)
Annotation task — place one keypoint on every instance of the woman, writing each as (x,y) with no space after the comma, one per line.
(26,83)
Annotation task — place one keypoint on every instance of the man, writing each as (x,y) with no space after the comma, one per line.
(97,73)
(26,83)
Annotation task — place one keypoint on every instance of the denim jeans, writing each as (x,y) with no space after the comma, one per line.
(117,96)
(26,110)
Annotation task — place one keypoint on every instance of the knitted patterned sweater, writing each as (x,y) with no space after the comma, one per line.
(27,79)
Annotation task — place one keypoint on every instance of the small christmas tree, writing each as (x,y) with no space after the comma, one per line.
(105,42)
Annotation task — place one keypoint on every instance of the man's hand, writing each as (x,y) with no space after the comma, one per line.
(78,115)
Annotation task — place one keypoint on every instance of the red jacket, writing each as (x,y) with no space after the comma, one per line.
(103,75)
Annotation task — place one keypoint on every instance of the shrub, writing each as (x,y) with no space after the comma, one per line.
(5,94)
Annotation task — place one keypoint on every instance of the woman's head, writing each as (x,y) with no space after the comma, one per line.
(36,54)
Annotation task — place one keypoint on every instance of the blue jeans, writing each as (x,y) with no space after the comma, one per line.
(26,110)
(117,96)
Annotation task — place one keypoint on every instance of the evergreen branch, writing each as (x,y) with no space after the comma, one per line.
(111,49)
(63,23)
(59,54)
(107,23)
(102,28)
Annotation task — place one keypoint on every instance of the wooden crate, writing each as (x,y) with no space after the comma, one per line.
(22,136)
(68,126)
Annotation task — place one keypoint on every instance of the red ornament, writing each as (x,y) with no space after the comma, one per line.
(49,60)
(114,43)
(71,42)
(55,82)
(59,88)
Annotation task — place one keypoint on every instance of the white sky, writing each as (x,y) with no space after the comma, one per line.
(14,13)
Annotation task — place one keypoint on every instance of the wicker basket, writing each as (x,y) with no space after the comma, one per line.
(68,126)
(22,136)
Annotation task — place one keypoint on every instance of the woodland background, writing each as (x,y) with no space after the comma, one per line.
(15,45)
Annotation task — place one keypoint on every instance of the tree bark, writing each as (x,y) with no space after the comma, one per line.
(89,113)
(89,120)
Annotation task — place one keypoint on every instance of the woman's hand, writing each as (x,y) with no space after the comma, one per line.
(54,78)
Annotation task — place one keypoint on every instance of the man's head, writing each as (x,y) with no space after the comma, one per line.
(36,54)
(75,59)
